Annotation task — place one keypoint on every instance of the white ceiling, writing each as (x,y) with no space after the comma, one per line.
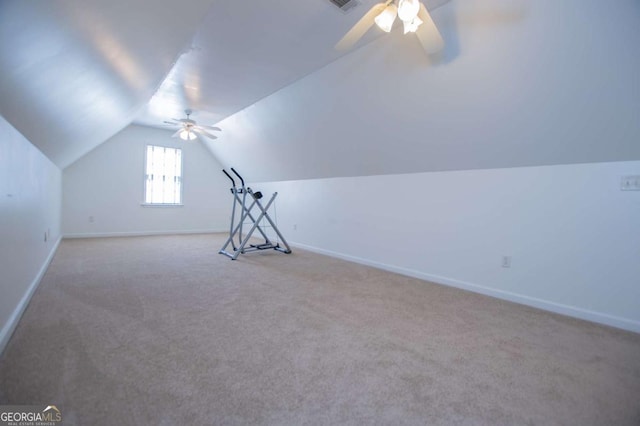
(519,83)
(244,51)
(75,72)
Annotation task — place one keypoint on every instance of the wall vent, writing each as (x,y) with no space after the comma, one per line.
(345,5)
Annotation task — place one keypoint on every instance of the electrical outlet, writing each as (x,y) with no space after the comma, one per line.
(91,219)
(506,261)
(630,183)
(45,237)
(295,226)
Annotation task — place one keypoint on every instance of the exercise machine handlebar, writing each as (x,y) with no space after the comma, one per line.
(238,174)
(229,176)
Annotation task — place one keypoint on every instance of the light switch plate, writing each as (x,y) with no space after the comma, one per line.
(630,183)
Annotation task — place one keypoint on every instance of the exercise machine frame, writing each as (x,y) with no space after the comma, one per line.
(236,229)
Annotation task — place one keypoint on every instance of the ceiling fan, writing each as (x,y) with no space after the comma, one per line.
(413,14)
(189,129)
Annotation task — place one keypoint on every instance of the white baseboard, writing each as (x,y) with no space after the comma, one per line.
(572,311)
(144,233)
(12,322)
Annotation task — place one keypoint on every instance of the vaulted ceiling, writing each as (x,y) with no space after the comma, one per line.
(245,51)
(519,83)
(75,72)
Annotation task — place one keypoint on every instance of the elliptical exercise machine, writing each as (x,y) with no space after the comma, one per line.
(241,210)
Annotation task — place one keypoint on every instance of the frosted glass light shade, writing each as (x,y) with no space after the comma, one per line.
(412,26)
(408,10)
(187,135)
(386,18)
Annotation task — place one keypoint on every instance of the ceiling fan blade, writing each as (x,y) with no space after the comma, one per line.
(209,135)
(200,131)
(172,123)
(428,33)
(360,28)
(211,127)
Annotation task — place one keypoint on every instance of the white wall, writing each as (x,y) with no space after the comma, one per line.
(30,195)
(107,185)
(572,234)
(512,143)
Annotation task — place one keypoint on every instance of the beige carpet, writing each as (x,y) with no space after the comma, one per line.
(163,330)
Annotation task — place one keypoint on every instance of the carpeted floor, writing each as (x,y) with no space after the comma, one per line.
(163,330)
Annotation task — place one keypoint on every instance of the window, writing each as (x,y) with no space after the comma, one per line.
(163,175)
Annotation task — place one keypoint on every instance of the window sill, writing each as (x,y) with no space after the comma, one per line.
(160,205)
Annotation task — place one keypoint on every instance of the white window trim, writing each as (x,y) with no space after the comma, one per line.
(161,205)
(144,179)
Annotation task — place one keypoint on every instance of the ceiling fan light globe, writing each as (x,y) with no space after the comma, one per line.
(187,135)
(386,18)
(412,26)
(408,10)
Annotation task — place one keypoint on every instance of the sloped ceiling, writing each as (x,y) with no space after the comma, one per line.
(520,83)
(247,50)
(73,73)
